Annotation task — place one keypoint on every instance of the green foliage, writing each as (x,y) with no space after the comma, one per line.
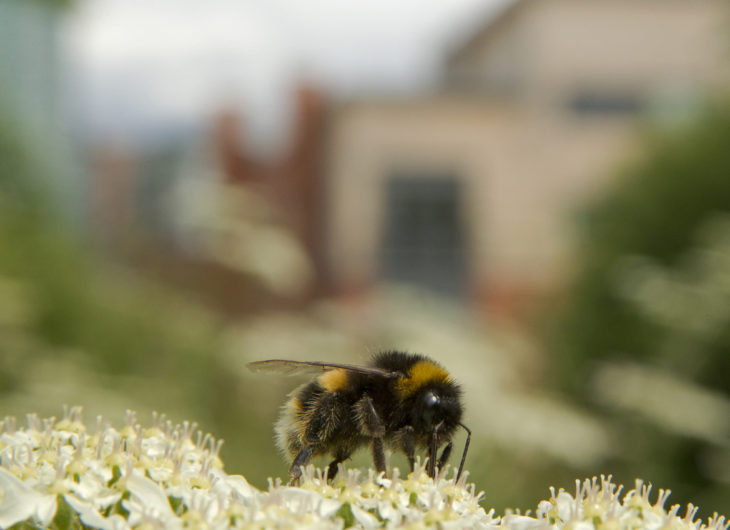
(66,518)
(59,4)
(77,329)
(345,513)
(26,525)
(19,168)
(651,273)
(655,211)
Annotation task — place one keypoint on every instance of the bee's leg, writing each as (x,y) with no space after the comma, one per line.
(445,455)
(378,454)
(302,458)
(371,425)
(340,456)
(431,455)
(407,437)
(324,420)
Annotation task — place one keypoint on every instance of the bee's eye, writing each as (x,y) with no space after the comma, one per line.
(431,400)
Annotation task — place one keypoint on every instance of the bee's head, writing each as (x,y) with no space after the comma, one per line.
(437,405)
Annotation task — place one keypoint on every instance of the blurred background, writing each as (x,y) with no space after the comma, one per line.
(535,193)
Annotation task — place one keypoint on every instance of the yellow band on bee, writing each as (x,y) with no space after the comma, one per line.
(294,405)
(420,374)
(333,380)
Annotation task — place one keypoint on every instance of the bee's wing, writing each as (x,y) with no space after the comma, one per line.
(282,366)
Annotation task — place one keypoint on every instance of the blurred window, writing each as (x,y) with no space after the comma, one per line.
(606,103)
(424,239)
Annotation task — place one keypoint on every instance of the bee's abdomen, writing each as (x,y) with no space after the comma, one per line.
(301,421)
(291,424)
(314,414)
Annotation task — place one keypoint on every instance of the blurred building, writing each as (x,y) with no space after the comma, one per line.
(292,184)
(473,191)
(32,94)
(207,214)
(470,191)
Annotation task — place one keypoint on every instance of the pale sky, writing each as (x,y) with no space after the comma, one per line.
(142,66)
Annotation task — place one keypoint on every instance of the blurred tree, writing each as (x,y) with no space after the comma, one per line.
(55,3)
(655,211)
(638,286)
(75,329)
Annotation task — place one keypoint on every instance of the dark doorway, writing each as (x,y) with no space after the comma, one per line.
(424,237)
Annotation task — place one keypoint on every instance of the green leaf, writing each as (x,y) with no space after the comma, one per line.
(25,525)
(66,518)
(175,504)
(116,475)
(345,513)
(118,508)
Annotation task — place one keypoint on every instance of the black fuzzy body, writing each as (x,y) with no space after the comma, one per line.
(334,421)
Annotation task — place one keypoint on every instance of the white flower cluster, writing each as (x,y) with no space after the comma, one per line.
(599,505)
(53,474)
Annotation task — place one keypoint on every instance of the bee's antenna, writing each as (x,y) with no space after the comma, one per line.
(466,448)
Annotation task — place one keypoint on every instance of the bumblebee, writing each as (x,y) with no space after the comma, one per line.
(400,400)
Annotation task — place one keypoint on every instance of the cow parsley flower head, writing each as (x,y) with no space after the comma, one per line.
(61,474)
